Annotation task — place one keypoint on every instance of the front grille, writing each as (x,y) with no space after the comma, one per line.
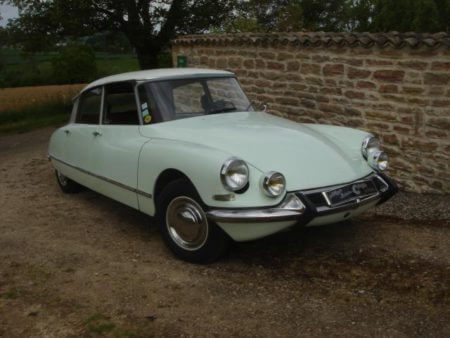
(315,197)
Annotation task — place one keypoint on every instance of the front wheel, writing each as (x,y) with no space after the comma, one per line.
(66,184)
(184,226)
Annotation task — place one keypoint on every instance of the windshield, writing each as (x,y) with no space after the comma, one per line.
(175,99)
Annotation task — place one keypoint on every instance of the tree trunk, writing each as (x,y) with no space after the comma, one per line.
(148,56)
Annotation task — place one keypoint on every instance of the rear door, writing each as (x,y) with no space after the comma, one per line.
(81,132)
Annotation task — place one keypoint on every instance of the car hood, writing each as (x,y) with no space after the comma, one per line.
(309,155)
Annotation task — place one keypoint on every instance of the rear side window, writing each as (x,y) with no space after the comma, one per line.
(120,104)
(89,107)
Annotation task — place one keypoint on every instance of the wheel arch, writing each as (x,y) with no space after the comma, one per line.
(167,176)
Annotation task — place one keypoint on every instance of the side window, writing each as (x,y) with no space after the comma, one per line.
(120,104)
(89,107)
(188,98)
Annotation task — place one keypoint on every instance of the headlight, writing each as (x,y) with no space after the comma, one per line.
(234,174)
(378,160)
(369,144)
(274,184)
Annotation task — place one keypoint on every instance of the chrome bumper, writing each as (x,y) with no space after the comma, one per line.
(303,206)
(291,208)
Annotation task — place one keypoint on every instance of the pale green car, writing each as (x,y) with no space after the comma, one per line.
(186,146)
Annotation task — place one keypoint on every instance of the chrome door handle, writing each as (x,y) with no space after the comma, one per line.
(96,133)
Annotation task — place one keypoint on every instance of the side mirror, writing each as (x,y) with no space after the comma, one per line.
(260,106)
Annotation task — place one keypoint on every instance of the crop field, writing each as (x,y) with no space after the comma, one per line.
(14,99)
(26,108)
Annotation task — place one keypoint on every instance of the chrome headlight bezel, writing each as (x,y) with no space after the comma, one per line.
(378,160)
(370,143)
(274,184)
(232,167)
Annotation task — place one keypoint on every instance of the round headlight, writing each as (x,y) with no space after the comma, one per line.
(274,184)
(369,144)
(379,160)
(234,174)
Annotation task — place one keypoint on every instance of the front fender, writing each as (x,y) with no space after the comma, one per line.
(201,164)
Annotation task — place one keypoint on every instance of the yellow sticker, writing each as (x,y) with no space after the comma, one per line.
(147,119)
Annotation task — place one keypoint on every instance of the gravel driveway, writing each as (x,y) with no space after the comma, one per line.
(84,265)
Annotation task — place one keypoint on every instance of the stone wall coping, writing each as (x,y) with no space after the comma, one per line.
(322,39)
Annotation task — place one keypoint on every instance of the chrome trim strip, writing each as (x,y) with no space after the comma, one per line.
(225,197)
(325,196)
(336,186)
(289,210)
(347,205)
(253,215)
(386,185)
(120,185)
(325,210)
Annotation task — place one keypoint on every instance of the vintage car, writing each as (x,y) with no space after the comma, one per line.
(186,146)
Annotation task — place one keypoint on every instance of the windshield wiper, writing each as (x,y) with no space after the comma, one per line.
(222,110)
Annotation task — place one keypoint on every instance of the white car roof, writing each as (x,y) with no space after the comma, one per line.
(154,74)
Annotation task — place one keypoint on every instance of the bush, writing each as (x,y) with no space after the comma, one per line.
(74,64)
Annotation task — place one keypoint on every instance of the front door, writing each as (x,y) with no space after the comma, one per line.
(118,143)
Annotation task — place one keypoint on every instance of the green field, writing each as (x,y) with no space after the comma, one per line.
(49,105)
(19,70)
(32,117)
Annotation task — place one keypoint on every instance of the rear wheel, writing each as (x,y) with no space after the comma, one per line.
(185,227)
(66,184)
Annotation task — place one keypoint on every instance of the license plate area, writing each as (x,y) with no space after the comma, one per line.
(350,192)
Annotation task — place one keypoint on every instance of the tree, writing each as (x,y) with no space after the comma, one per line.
(292,15)
(74,64)
(149,25)
(399,15)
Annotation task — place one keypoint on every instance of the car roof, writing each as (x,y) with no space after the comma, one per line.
(156,74)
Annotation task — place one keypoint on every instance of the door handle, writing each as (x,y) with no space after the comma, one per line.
(67,131)
(96,133)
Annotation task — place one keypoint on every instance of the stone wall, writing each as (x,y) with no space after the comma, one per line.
(393,85)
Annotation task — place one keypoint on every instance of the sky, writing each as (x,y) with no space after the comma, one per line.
(7,12)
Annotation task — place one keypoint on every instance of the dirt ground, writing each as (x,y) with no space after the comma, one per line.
(84,265)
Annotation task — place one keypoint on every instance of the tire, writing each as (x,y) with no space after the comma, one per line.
(184,226)
(66,184)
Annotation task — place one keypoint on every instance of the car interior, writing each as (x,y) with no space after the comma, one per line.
(120,104)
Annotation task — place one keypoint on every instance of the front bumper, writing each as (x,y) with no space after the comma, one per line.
(304,206)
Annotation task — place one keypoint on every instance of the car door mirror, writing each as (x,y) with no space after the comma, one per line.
(260,106)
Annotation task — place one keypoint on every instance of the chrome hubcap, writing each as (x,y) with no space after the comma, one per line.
(186,223)
(62,179)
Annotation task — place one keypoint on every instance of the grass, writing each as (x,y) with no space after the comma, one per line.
(10,294)
(99,324)
(14,99)
(27,108)
(33,117)
(19,71)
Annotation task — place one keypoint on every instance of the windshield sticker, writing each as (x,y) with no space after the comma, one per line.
(147,119)
(145,113)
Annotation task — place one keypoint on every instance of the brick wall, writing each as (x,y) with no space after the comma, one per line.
(393,85)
